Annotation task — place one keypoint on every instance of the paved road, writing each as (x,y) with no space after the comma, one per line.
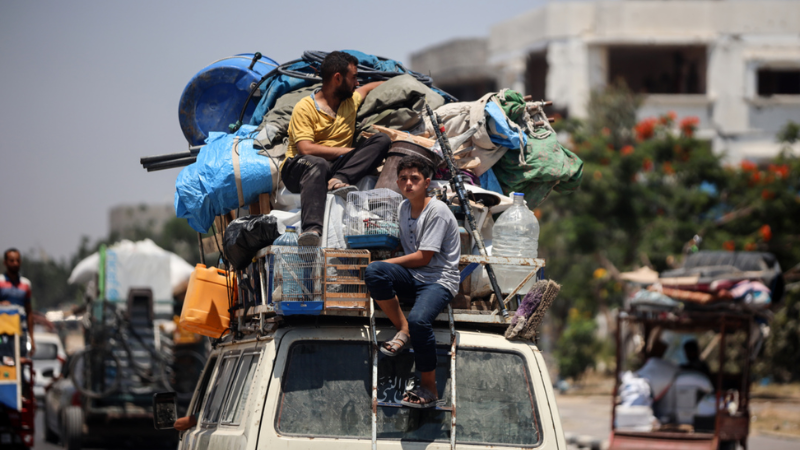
(590,416)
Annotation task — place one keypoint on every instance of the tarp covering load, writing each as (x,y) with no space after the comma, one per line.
(516,144)
(714,279)
(141,264)
(229,173)
(304,72)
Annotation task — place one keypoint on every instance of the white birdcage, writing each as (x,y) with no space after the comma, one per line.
(373,212)
(298,274)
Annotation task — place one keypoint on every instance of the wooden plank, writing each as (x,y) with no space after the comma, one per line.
(348,281)
(264,203)
(363,295)
(347,266)
(209,246)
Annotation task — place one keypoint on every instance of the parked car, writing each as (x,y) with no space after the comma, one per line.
(63,416)
(47,361)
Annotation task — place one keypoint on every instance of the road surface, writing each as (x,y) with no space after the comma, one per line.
(590,417)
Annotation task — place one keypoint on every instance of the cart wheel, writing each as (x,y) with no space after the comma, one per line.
(72,428)
(49,435)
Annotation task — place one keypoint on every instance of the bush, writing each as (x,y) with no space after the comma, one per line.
(577,346)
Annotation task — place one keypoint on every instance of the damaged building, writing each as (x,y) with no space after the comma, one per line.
(733,64)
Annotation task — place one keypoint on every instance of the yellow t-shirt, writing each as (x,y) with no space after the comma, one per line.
(309,123)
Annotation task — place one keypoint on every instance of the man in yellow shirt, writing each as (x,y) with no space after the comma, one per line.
(320,157)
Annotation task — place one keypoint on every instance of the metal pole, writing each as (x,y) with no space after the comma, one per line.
(452,378)
(374,333)
(458,187)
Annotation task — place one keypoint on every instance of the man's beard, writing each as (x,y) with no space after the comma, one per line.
(343,92)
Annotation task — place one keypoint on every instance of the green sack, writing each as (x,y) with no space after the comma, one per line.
(545,165)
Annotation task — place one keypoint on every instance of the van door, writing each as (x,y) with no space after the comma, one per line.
(320,395)
(208,416)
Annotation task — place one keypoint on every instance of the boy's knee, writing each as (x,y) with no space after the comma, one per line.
(418,322)
(375,273)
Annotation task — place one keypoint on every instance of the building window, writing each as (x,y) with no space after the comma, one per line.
(536,75)
(469,91)
(659,69)
(778,81)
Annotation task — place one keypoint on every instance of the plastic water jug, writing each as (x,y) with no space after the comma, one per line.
(289,238)
(290,289)
(516,234)
(205,307)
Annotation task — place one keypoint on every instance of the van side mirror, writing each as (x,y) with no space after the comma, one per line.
(165,410)
(48,373)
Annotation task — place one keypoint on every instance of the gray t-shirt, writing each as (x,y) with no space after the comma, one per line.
(434,230)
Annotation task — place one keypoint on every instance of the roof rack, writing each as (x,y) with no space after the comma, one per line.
(256,301)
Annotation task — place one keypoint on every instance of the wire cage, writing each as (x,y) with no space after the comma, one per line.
(298,280)
(344,279)
(371,219)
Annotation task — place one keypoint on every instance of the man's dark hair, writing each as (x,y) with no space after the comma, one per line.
(336,62)
(12,249)
(416,162)
(691,348)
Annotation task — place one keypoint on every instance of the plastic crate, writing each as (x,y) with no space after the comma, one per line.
(373,241)
(290,308)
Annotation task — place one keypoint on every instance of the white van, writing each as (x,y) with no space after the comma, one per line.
(47,361)
(307,384)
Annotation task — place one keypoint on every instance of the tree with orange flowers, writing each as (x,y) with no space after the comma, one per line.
(656,185)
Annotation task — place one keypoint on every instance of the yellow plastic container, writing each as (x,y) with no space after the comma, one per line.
(205,308)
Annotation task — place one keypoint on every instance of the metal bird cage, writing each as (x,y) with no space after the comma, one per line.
(344,279)
(371,219)
(298,280)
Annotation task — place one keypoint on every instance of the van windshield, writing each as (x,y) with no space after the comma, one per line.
(326,392)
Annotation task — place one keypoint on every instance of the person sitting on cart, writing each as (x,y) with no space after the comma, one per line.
(16,290)
(692,351)
(427,274)
(320,157)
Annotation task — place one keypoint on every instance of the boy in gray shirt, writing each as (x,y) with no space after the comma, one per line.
(427,274)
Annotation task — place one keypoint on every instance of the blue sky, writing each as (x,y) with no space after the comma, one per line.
(88,87)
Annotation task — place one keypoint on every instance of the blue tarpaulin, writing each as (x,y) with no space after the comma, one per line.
(208,188)
(501,132)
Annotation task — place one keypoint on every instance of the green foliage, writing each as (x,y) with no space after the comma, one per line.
(790,133)
(648,189)
(49,282)
(781,358)
(577,347)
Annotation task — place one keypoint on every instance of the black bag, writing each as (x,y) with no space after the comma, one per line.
(246,235)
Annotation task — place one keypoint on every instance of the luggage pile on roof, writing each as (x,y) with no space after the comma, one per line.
(711,280)
(507,142)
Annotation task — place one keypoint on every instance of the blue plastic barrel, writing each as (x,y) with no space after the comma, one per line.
(214,97)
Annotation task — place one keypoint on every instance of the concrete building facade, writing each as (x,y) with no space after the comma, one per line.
(733,64)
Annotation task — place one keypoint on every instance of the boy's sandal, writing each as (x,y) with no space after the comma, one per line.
(343,190)
(397,344)
(420,398)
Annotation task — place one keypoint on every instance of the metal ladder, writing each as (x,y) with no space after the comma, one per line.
(375,403)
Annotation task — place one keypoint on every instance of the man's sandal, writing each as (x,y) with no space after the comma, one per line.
(393,347)
(342,190)
(420,398)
